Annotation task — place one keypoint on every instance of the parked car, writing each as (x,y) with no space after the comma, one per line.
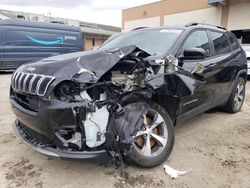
(25,41)
(247,50)
(125,98)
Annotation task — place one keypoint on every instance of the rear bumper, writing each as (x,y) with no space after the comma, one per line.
(45,149)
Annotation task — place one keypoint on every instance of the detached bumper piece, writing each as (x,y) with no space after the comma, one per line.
(41,144)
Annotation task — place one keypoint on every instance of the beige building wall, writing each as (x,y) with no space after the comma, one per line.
(146,22)
(153,10)
(160,9)
(88,43)
(239,16)
(98,42)
(210,15)
(234,15)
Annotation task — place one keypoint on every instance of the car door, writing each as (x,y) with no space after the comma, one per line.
(203,95)
(225,64)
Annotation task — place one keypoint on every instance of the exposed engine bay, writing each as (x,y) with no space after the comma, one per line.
(108,99)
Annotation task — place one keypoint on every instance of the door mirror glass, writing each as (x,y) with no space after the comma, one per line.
(194,54)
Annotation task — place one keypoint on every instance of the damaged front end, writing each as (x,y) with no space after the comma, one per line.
(97,105)
(83,105)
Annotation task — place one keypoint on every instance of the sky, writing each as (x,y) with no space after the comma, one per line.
(107,12)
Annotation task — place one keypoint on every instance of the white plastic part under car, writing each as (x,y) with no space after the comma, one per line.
(95,124)
(246,48)
(95,127)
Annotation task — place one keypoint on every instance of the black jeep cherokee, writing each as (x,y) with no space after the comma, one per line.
(124,98)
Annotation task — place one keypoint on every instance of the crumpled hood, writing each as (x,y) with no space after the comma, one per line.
(90,66)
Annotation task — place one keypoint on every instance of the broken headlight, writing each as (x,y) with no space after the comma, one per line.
(69,91)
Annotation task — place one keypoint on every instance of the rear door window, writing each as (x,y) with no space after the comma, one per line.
(220,42)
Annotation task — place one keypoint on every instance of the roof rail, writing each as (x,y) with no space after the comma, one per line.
(138,28)
(197,23)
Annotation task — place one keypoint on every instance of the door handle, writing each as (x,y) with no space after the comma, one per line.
(212,65)
(236,59)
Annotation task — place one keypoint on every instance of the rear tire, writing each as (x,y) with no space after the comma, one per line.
(158,134)
(236,99)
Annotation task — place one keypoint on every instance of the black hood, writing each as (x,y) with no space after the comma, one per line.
(88,66)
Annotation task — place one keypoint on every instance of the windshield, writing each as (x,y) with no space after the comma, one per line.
(155,42)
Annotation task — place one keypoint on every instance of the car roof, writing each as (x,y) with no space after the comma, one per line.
(154,28)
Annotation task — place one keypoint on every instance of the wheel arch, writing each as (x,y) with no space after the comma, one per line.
(242,74)
(169,103)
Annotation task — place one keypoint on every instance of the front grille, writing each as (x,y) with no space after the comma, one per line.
(35,84)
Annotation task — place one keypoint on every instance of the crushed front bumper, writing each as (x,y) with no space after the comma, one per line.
(49,150)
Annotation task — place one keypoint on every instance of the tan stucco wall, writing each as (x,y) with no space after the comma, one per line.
(239,16)
(211,15)
(177,6)
(162,8)
(224,16)
(88,43)
(145,22)
(234,15)
(137,13)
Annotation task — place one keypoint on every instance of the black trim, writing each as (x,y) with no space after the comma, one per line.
(19,107)
(211,25)
(188,115)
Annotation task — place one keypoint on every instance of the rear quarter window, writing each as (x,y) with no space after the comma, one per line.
(233,41)
(220,42)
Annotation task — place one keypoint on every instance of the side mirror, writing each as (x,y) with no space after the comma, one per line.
(194,54)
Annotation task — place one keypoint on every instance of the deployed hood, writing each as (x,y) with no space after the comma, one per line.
(90,66)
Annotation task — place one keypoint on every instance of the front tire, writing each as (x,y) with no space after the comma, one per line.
(154,142)
(236,99)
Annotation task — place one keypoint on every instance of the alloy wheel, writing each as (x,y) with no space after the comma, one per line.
(151,140)
(239,95)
